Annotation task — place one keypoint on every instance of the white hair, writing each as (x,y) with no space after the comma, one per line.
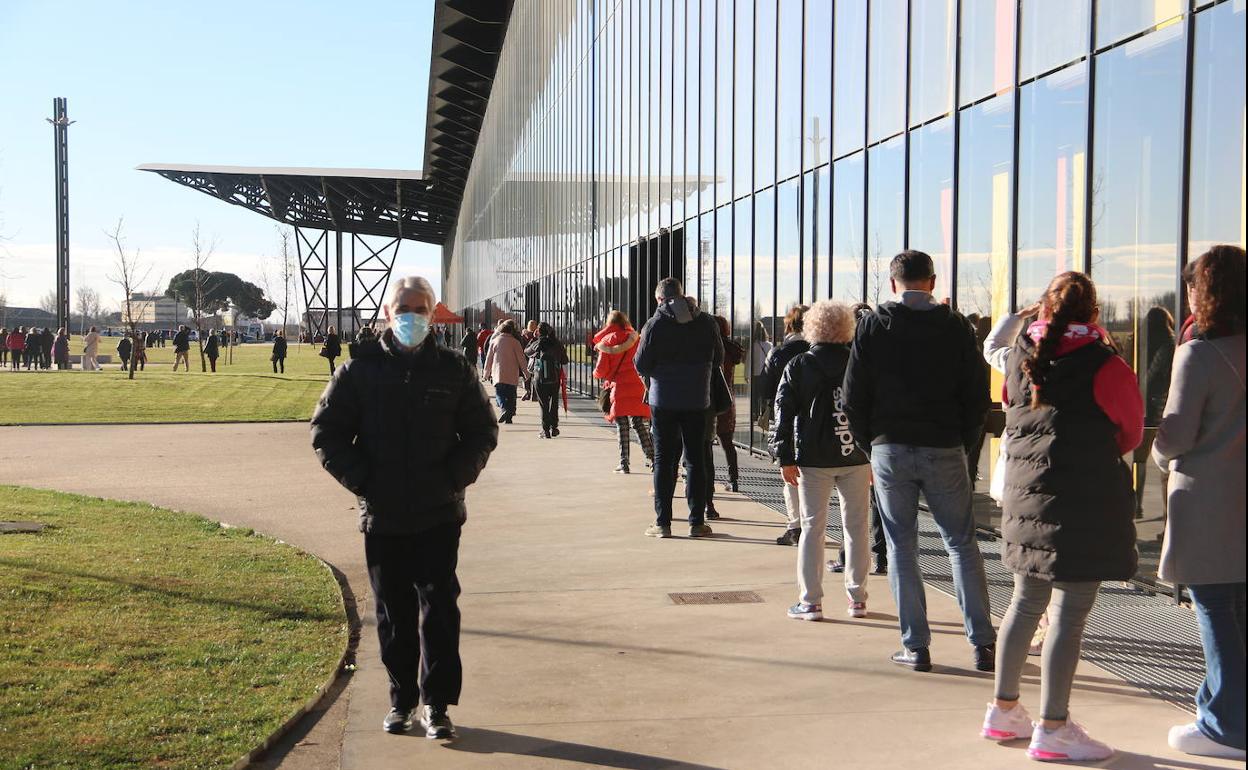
(413,283)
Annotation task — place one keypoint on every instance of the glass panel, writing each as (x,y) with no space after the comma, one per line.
(723,101)
(1054,33)
(742,214)
(723,261)
(931,59)
(706,261)
(1218,179)
(849,92)
(789,91)
(984,189)
(743,99)
(886,192)
(817,83)
(695,118)
(1052,178)
(886,105)
(707,114)
(847,235)
(816,214)
(764,301)
(765,93)
(987,48)
(788,251)
(931,199)
(1119,19)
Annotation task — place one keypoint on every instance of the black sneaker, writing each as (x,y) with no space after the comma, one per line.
(554,432)
(397,721)
(621,468)
(919,660)
(790,537)
(436,722)
(985,657)
(543,434)
(880,568)
(711,513)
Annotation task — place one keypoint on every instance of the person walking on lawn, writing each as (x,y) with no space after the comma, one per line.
(616,344)
(124,348)
(138,356)
(331,348)
(91,349)
(406,427)
(916,395)
(679,349)
(212,350)
(278,357)
(16,343)
(182,348)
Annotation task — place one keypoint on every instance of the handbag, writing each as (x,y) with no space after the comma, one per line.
(721,394)
(604,395)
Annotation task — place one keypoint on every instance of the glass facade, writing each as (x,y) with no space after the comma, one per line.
(770,152)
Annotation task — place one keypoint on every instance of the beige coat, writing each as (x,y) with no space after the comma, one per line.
(506,362)
(91,344)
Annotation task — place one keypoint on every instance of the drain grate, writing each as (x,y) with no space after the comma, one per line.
(716,597)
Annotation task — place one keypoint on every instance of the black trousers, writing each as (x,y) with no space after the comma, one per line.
(548,399)
(416,593)
(674,432)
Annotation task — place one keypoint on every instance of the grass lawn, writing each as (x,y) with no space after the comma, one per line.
(245,391)
(132,636)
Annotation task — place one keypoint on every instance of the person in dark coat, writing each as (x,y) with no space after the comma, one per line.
(47,340)
(60,349)
(547,358)
(406,427)
(182,348)
(279,352)
(332,347)
(793,345)
(468,344)
(124,348)
(212,350)
(722,426)
(680,346)
(1072,409)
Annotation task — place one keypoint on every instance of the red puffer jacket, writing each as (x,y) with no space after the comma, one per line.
(616,346)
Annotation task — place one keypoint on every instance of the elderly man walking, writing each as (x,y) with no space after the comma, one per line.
(406,427)
(679,349)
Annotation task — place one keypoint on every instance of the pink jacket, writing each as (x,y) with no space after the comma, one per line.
(506,362)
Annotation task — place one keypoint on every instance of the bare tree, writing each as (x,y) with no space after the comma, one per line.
(202,278)
(129,272)
(87,300)
(47,303)
(289,271)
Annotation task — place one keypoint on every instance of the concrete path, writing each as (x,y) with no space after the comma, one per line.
(574,654)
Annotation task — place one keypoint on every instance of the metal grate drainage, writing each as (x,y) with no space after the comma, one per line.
(716,597)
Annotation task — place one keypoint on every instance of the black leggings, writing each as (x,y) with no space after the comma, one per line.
(280,362)
(331,365)
(548,400)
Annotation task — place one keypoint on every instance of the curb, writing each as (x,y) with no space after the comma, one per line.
(344,667)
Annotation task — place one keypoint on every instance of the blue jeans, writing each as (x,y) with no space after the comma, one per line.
(505,395)
(1220,699)
(901,473)
(672,432)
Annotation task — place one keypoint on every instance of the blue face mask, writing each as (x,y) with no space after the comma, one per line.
(410,329)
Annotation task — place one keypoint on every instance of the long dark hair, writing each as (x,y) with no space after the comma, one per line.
(546,330)
(1070,298)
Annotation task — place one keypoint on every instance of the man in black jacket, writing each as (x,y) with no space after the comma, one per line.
(406,427)
(182,348)
(916,395)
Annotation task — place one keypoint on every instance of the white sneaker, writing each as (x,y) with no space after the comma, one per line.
(1002,725)
(857,609)
(1068,743)
(1190,740)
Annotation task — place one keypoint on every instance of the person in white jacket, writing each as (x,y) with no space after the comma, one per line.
(91,349)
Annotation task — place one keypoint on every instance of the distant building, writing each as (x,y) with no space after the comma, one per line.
(156,310)
(11,317)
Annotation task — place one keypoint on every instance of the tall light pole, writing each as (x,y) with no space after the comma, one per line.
(60,140)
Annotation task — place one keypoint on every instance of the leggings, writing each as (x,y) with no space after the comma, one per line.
(279,362)
(1068,614)
(730,453)
(643,434)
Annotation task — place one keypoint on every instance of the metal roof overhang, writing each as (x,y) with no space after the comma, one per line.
(388,203)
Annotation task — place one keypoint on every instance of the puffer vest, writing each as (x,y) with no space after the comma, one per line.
(1069,506)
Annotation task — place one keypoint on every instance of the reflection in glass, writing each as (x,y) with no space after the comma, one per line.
(848,256)
(886,191)
(706,261)
(742,213)
(723,261)
(987,48)
(765,93)
(723,100)
(789,90)
(1054,32)
(931,199)
(818,83)
(743,99)
(1218,180)
(984,189)
(816,224)
(849,92)
(931,59)
(763,305)
(887,94)
(1135,203)
(1120,19)
(788,251)
(1052,178)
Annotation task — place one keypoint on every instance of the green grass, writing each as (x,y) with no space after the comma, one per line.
(132,636)
(244,391)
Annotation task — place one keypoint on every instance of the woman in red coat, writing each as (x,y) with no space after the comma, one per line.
(616,345)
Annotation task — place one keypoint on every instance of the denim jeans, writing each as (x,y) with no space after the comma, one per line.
(505,395)
(901,473)
(672,431)
(1220,699)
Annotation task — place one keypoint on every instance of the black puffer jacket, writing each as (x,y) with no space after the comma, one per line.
(916,377)
(1069,507)
(406,432)
(811,427)
(791,347)
(680,347)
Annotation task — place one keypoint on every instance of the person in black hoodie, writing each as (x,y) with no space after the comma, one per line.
(916,395)
(793,345)
(279,351)
(406,427)
(547,357)
(212,349)
(817,452)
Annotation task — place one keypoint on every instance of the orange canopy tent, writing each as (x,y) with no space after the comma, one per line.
(443,315)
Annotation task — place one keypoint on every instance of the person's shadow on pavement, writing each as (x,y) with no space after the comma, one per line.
(483,741)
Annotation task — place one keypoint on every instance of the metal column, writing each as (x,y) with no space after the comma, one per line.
(338,280)
(60,141)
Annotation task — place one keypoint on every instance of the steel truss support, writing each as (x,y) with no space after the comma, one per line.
(370,275)
(321,252)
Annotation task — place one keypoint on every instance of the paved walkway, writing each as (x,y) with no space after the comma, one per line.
(574,654)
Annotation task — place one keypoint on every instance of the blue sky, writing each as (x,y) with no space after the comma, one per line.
(259,83)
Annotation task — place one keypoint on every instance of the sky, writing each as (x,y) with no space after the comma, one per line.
(275,83)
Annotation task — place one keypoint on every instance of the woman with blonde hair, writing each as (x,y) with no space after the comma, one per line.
(616,344)
(817,453)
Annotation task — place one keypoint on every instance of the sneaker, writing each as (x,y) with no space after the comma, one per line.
(835,566)
(790,537)
(919,660)
(543,434)
(654,530)
(985,657)
(397,721)
(436,722)
(880,567)
(1068,743)
(622,468)
(1190,740)
(712,514)
(804,611)
(554,432)
(699,530)
(1002,725)
(857,609)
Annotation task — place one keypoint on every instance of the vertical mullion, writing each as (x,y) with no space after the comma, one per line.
(1015,160)
(1089,167)
(1185,186)
(775,172)
(801,162)
(957,152)
(905,195)
(831,145)
(866,156)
